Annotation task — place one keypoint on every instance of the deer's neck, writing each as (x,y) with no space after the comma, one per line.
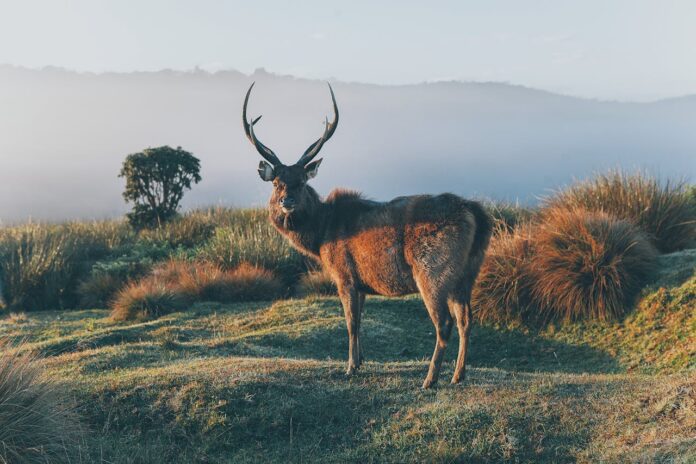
(305,229)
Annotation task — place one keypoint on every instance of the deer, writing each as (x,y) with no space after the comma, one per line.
(428,244)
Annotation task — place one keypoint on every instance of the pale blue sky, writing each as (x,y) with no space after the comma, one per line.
(625,50)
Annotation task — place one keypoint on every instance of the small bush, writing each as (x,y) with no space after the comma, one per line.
(248,237)
(108,276)
(587,265)
(99,289)
(502,292)
(146,299)
(316,283)
(37,424)
(665,211)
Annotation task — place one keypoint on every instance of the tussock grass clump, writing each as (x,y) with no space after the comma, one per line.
(176,284)
(502,293)
(37,424)
(316,283)
(147,299)
(204,281)
(508,215)
(587,265)
(664,210)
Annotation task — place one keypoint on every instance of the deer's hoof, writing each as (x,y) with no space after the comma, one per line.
(429,384)
(351,371)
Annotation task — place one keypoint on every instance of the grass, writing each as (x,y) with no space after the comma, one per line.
(567,265)
(316,283)
(72,265)
(262,381)
(37,420)
(587,265)
(666,211)
(176,284)
(147,299)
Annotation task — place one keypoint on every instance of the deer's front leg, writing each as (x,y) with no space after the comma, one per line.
(351,300)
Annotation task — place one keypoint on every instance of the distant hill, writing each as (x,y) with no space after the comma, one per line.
(63,136)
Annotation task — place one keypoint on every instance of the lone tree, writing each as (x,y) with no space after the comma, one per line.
(156,179)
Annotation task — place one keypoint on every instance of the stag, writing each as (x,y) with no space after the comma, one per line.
(433,245)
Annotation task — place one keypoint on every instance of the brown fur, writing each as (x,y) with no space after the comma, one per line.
(428,244)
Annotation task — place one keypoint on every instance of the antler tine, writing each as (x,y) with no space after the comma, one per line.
(314,148)
(263,150)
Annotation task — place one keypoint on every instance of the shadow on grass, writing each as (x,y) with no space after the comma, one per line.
(400,330)
(300,412)
(393,330)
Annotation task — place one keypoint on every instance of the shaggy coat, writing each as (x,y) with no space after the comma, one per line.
(433,245)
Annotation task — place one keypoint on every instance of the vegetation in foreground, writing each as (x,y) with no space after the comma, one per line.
(38,422)
(262,381)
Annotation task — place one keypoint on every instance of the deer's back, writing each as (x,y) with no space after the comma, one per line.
(384,248)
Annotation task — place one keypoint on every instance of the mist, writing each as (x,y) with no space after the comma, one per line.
(64,135)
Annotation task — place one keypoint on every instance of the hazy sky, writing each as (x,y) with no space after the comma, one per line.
(626,50)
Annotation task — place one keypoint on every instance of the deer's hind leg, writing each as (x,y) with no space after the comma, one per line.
(436,303)
(460,307)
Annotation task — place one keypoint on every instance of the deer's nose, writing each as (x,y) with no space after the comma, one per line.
(287,203)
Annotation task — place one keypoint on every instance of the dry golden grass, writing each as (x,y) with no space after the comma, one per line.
(37,424)
(316,283)
(146,299)
(570,265)
(588,265)
(502,292)
(664,210)
(176,284)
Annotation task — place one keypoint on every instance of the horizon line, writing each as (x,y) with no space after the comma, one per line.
(263,71)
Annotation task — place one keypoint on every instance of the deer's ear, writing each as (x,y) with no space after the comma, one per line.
(312,168)
(266,171)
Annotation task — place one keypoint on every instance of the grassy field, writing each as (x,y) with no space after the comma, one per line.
(263,382)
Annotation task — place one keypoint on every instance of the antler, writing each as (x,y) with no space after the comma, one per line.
(314,148)
(263,150)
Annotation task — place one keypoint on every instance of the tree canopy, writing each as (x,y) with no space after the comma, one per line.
(156,180)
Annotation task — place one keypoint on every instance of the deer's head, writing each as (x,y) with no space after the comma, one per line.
(289,181)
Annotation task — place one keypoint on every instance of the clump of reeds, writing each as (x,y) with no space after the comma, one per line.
(663,210)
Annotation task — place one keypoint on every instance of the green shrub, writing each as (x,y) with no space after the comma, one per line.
(664,210)
(111,274)
(37,423)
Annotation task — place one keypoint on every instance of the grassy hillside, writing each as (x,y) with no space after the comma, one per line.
(254,382)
